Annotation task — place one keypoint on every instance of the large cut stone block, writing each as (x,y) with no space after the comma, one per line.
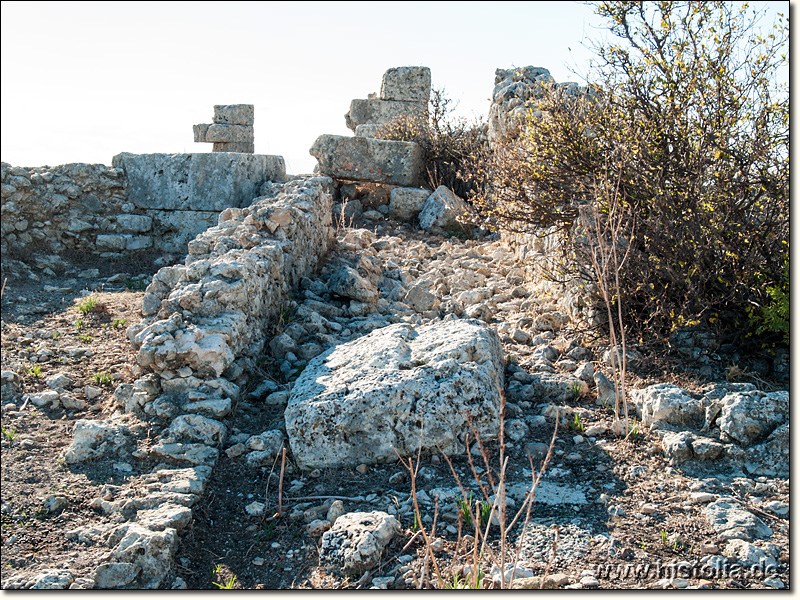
(397,388)
(367,159)
(382,111)
(202,181)
(234,114)
(200,132)
(247,147)
(229,133)
(409,84)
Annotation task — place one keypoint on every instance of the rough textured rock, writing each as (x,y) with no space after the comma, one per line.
(379,112)
(406,203)
(356,541)
(511,99)
(360,401)
(664,403)
(93,439)
(749,417)
(771,458)
(367,159)
(442,210)
(731,521)
(200,181)
(151,551)
(409,84)
(206,313)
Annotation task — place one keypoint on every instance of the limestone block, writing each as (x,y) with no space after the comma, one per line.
(409,84)
(135,223)
(396,388)
(368,130)
(666,403)
(749,417)
(138,242)
(406,203)
(229,133)
(374,111)
(201,181)
(366,159)
(93,439)
(110,242)
(355,543)
(173,230)
(730,521)
(151,551)
(234,114)
(441,210)
(200,131)
(241,147)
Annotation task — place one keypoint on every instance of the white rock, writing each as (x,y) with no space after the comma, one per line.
(93,439)
(749,417)
(668,403)
(356,541)
(151,551)
(255,509)
(360,401)
(442,210)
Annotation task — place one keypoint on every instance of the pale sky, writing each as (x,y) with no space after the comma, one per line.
(83,81)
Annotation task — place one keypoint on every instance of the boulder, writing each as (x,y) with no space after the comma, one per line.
(397,389)
(368,159)
(731,521)
(770,459)
(355,543)
(749,417)
(406,203)
(93,439)
(442,210)
(668,404)
(151,551)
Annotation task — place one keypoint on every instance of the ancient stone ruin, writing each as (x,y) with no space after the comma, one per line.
(231,131)
(393,346)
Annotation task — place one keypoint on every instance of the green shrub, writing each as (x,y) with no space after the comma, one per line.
(682,141)
(446,142)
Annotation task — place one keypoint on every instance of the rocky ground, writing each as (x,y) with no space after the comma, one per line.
(606,510)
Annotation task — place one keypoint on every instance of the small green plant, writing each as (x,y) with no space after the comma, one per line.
(35,371)
(102,378)
(576,424)
(118,323)
(87,305)
(464,506)
(137,285)
(78,324)
(10,434)
(576,390)
(217,573)
(462,583)
(86,338)
(633,432)
(415,524)
(663,537)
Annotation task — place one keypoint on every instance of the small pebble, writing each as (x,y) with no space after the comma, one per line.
(362,468)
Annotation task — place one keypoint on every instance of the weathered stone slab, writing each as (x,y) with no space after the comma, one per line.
(244,147)
(229,133)
(356,541)
(379,112)
(200,181)
(173,230)
(406,203)
(368,130)
(409,84)
(397,389)
(234,114)
(200,132)
(367,159)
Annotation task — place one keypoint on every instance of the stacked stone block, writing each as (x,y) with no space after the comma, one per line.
(404,93)
(231,131)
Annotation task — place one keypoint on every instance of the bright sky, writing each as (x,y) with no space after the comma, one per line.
(83,81)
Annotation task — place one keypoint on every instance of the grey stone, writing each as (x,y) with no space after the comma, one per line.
(166,516)
(229,133)
(442,210)
(367,159)
(135,223)
(677,447)
(406,203)
(93,439)
(363,400)
(346,282)
(409,84)
(52,579)
(731,521)
(151,551)
(234,114)
(355,543)
(108,576)
(750,417)
(667,404)
(379,112)
(200,181)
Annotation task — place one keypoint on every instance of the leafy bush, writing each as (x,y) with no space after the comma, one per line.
(446,142)
(683,137)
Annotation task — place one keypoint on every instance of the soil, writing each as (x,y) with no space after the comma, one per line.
(43,330)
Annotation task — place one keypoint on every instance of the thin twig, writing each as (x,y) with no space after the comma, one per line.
(280,483)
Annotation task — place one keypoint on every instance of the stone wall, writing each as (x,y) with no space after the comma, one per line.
(203,315)
(142,204)
(54,210)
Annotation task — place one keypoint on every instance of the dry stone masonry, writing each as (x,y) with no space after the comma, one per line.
(404,93)
(231,131)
